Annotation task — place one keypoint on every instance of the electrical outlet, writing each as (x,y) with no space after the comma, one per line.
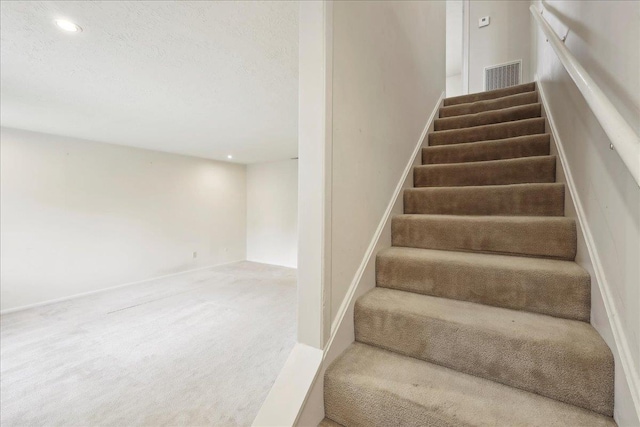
(195,255)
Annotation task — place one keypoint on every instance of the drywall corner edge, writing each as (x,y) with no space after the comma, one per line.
(620,350)
(314,150)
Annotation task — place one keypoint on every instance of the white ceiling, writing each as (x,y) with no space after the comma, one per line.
(206,79)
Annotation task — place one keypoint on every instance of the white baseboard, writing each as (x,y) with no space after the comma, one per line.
(110,288)
(620,339)
(342,329)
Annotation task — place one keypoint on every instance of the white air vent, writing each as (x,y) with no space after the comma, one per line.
(503,75)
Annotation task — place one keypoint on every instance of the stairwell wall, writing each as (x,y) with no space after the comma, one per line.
(388,73)
(605,39)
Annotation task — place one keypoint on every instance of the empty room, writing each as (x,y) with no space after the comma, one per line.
(149,210)
(320,213)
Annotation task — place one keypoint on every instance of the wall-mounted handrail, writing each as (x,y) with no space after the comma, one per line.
(623,138)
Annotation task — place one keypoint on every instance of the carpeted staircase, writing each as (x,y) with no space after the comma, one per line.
(480,315)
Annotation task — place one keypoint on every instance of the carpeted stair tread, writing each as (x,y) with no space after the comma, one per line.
(489,117)
(488,132)
(558,358)
(538,169)
(368,386)
(516,199)
(329,423)
(550,237)
(547,286)
(491,94)
(489,105)
(509,148)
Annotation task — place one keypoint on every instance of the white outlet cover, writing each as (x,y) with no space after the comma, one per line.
(483,22)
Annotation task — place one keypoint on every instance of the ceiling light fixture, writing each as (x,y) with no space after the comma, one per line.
(229,156)
(68,26)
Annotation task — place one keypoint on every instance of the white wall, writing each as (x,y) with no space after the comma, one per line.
(506,39)
(605,38)
(454,85)
(454,14)
(79,216)
(388,73)
(272,213)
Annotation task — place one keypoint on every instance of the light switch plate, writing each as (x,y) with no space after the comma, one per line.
(483,22)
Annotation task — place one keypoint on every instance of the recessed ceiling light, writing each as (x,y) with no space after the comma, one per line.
(229,156)
(68,26)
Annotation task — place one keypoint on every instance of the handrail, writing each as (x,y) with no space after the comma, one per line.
(623,138)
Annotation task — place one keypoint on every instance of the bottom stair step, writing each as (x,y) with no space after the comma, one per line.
(374,387)
(562,359)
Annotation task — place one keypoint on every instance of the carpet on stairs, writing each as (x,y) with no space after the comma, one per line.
(480,315)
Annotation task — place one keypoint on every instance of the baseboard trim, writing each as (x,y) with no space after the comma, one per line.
(110,288)
(370,252)
(620,339)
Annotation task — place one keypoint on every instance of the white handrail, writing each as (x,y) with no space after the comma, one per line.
(623,138)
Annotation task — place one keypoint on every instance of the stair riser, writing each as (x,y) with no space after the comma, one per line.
(526,146)
(552,369)
(537,200)
(514,171)
(538,291)
(555,238)
(489,105)
(488,132)
(491,117)
(493,94)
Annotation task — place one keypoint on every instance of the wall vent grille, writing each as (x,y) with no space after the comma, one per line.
(503,75)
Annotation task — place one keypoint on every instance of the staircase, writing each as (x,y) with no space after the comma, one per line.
(480,315)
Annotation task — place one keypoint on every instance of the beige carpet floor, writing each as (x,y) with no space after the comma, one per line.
(201,348)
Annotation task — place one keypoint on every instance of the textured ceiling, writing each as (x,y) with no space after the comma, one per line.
(206,79)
